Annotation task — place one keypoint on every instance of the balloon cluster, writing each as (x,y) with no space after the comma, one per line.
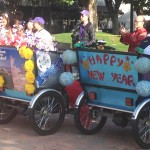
(69,58)
(142,66)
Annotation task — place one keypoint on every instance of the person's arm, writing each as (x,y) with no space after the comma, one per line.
(133,38)
(138,37)
(124,36)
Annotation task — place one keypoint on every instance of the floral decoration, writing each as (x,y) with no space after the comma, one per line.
(29,65)
(1,81)
(30,77)
(25,52)
(29,88)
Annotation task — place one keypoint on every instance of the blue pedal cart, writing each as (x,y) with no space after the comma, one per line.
(43,100)
(110,82)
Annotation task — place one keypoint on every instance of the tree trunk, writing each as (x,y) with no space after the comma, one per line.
(115,24)
(93,13)
(113,8)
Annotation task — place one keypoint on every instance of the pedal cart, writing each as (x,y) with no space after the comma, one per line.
(29,83)
(115,84)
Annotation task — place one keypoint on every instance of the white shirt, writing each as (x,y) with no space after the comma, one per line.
(43,40)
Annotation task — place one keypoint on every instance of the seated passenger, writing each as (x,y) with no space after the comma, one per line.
(29,28)
(42,38)
(144,47)
(29,32)
(6,36)
(18,33)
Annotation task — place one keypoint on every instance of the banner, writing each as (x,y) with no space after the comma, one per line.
(12,68)
(108,69)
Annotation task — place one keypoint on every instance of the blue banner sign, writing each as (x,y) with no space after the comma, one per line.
(108,69)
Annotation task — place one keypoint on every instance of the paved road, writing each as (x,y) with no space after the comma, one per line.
(19,135)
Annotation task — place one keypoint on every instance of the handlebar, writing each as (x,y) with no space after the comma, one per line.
(101,45)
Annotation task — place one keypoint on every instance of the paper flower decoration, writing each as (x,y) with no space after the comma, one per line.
(2,81)
(29,65)
(29,88)
(25,52)
(69,57)
(66,78)
(21,51)
(142,65)
(143,88)
(28,53)
(30,77)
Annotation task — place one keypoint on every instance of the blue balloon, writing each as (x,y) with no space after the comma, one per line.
(66,78)
(143,88)
(142,65)
(69,57)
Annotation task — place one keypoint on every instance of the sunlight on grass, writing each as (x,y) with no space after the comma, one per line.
(111,40)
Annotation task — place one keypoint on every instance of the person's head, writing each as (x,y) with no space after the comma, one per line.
(29,25)
(147,26)
(84,15)
(4,20)
(38,23)
(139,22)
(16,26)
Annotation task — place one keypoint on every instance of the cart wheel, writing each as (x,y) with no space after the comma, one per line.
(141,127)
(7,111)
(87,118)
(47,114)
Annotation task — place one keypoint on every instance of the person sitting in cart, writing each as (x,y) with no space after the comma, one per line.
(42,39)
(6,35)
(84,32)
(134,38)
(144,47)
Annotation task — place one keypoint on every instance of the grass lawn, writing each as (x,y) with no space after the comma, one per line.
(111,40)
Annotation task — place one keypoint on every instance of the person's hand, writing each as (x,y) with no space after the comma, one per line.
(123,30)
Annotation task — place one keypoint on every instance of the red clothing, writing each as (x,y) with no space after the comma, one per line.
(73,92)
(133,39)
(19,40)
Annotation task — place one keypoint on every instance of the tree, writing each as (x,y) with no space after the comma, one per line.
(140,7)
(113,8)
(12,4)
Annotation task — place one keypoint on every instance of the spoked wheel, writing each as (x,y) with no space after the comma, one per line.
(7,111)
(141,127)
(47,114)
(88,119)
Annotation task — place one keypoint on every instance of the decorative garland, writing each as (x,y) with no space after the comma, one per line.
(1,83)
(27,54)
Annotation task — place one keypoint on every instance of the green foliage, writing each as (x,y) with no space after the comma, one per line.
(111,40)
(70,2)
(140,6)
